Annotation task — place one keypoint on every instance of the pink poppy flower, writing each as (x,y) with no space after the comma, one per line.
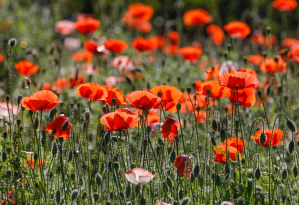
(72,43)
(111,81)
(4,110)
(123,63)
(64,27)
(162,203)
(89,69)
(139,176)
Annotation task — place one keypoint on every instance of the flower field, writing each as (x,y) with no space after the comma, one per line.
(135,103)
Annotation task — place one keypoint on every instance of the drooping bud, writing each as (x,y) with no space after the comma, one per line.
(12,42)
(291,125)
(169,182)
(291,146)
(65,126)
(172,157)
(36,123)
(74,194)
(262,138)
(19,98)
(98,179)
(128,191)
(54,148)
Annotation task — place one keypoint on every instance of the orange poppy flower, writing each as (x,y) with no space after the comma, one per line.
(248,70)
(172,49)
(130,112)
(47,86)
(217,91)
(92,91)
(198,84)
(201,116)
(26,68)
(142,44)
(41,100)
(1,58)
(294,54)
(289,42)
(201,101)
(76,79)
(233,143)
(60,84)
(119,121)
(272,40)
(113,93)
(285,5)
(276,138)
(170,129)
(257,38)
(94,48)
(169,93)
(255,59)
(168,106)
(159,41)
(186,103)
(245,97)
(197,17)
(56,127)
(184,167)
(152,117)
(216,34)
(116,46)
(190,53)
(237,29)
(30,161)
(141,12)
(212,72)
(219,157)
(270,66)
(143,26)
(81,56)
(87,25)
(174,37)
(142,100)
(239,80)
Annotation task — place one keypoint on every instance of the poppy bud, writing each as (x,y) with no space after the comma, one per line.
(189,90)
(113,100)
(84,195)
(178,107)
(35,156)
(70,156)
(132,166)
(65,126)
(110,166)
(18,122)
(208,91)
(276,60)
(284,174)
(22,108)
(245,59)
(128,191)
(74,194)
(107,203)
(98,179)
(116,166)
(172,157)
(193,178)
(169,182)
(259,93)
(137,189)
(213,141)
(185,201)
(144,143)
(36,123)
(197,108)
(12,42)
(78,105)
(4,156)
(102,167)
(181,195)
(121,194)
(58,197)
(54,148)
(265,54)
(60,140)
(142,201)
(214,125)
(105,110)
(196,171)
(262,138)
(160,94)
(291,146)
(257,173)
(268,30)
(295,171)
(291,125)
(160,142)
(87,114)
(19,98)
(95,196)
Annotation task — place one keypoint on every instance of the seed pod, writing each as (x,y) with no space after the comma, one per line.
(137,189)
(84,195)
(178,107)
(214,125)
(172,157)
(87,114)
(193,178)
(249,186)
(74,194)
(222,135)
(65,126)
(142,201)
(257,173)
(208,91)
(113,100)
(58,197)
(196,171)
(98,179)
(291,125)
(262,138)
(36,123)
(160,94)
(128,191)
(169,182)
(284,174)
(217,180)
(4,156)
(186,200)
(291,146)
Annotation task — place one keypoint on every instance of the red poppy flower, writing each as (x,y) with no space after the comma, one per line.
(201,101)
(142,44)
(60,84)
(174,37)
(289,42)
(219,157)
(152,117)
(272,39)
(159,41)
(285,5)
(113,93)
(143,26)
(1,58)
(183,165)
(65,27)
(237,29)
(87,25)
(169,93)
(171,49)
(141,12)
(198,84)
(94,48)
(213,72)
(170,129)
(187,103)
(255,59)
(197,17)
(217,91)
(116,46)
(57,125)
(270,66)
(41,100)
(190,54)
(75,80)
(142,100)
(216,33)
(92,91)
(119,121)
(47,86)
(294,54)
(257,38)
(248,70)
(81,56)
(238,80)
(276,138)
(233,143)
(30,161)
(26,68)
